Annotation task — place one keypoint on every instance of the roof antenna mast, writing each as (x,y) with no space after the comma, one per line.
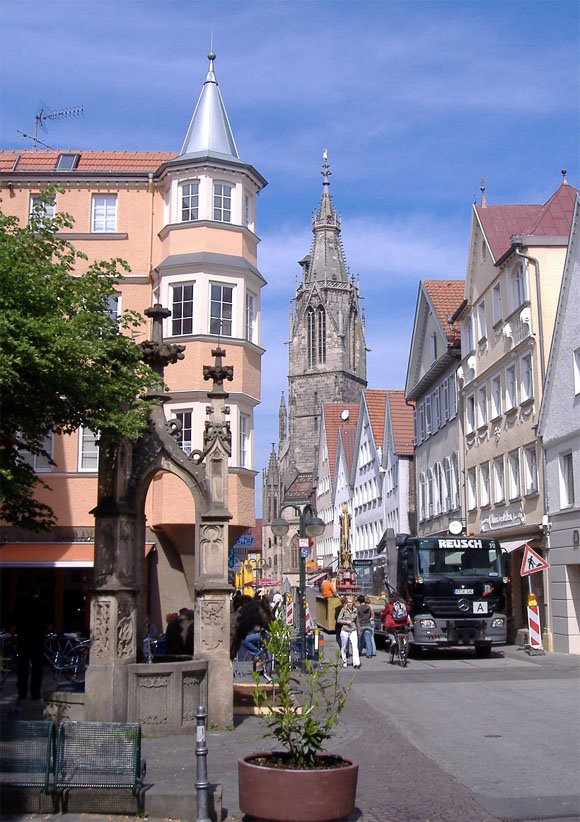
(59,114)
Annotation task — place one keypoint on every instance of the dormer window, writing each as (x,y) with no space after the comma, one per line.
(189,201)
(67,162)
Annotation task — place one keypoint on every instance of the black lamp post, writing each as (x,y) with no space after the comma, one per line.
(309,525)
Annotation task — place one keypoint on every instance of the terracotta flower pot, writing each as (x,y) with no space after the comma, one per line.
(290,795)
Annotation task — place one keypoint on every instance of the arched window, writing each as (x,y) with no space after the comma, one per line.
(448,484)
(321,335)
(311,336)
(430,492)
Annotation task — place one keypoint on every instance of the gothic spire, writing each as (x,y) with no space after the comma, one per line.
(209,132)
(327,261)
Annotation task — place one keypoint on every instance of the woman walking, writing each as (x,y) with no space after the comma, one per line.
(348,621)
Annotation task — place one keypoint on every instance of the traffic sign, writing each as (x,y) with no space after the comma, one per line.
(304,552)
(303,542)
(532,562)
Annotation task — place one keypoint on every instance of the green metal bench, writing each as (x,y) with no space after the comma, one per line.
(26,762)
(94,756)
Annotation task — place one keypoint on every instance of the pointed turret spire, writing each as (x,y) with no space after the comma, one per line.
(327,261)
(209,132)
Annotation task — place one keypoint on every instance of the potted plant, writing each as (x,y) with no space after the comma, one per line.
(300,782)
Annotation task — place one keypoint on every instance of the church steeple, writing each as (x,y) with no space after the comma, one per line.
(327,262)
(209,133)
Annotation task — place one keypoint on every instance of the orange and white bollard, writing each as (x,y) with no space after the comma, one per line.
(534,624)
(308,626)
(289,612)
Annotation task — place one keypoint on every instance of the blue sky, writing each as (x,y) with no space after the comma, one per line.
(415,100)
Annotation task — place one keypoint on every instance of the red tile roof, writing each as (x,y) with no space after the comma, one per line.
(302,488)
(553,219)
(43,161)
(401,421)
(334,425)
(376,400)
(446,297)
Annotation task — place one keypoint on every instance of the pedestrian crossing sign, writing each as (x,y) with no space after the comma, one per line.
(532,562)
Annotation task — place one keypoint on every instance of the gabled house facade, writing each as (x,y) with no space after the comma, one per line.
(367,524)
(515,264)
(337,419)
(186,224)
(559,428)
(398,465)
(432,386)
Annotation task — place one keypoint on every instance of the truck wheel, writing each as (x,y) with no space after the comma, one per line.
(482,651)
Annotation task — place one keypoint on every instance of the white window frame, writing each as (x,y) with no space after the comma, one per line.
(470,414)
(467,329)
(185,417)
(519,285)
(566,476)
(496,304)
(220,325)
(481,322)
(530,470)
(222,201)
(484,490)
(471,489)
(576,366)
(514,474)
(511,387)
(526,378)
(244,441)
(182,294)
(499,480)
(444,390)
(436,410)
(38,462)
(189,201)
(250,316)
(45,208)
(452,397)
(496,397)
(482,405)
(433,347)
(428,417)
(104,213)
(88,452)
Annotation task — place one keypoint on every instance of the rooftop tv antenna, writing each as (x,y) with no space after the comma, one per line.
(58,114)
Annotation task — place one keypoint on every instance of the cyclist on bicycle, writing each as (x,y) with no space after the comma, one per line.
(394,615)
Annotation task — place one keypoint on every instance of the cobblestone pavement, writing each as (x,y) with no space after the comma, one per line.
(397,782)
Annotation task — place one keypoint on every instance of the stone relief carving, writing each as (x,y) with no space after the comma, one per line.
(100,645)
(213,622)
(211,549)
(125,628)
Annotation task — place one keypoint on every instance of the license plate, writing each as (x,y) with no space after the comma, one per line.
(462,591)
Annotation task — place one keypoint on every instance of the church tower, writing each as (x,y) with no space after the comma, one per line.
(327,363)
(327,350)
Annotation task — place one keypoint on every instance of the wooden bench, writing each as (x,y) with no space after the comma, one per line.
(26,765)
(97,756)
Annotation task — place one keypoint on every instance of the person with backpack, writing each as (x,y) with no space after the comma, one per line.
(394,615)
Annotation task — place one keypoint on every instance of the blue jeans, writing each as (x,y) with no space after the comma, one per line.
(367,641)
(251,642)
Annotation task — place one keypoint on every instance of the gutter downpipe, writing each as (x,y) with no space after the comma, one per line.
(547,639)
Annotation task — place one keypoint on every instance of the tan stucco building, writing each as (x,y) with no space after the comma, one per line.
(515,264)
(186,224)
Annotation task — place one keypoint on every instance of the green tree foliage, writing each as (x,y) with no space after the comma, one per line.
(66,359)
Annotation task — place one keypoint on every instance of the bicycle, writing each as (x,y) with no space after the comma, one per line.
(400,645)
(67,655)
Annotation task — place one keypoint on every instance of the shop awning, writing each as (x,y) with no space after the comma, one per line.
(50,554)
(514,544)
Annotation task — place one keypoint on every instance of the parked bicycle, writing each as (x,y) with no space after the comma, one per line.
(400,646)
(68,656)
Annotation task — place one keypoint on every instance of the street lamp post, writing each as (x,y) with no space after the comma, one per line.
(309,525)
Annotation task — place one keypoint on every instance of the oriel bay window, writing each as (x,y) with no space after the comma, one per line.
(222,202)
(185,439)
(189,201)
(221,309)
(181,298)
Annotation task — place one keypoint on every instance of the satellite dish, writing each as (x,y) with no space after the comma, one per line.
(345,414)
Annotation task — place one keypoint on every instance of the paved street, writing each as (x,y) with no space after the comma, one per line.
(451,737)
